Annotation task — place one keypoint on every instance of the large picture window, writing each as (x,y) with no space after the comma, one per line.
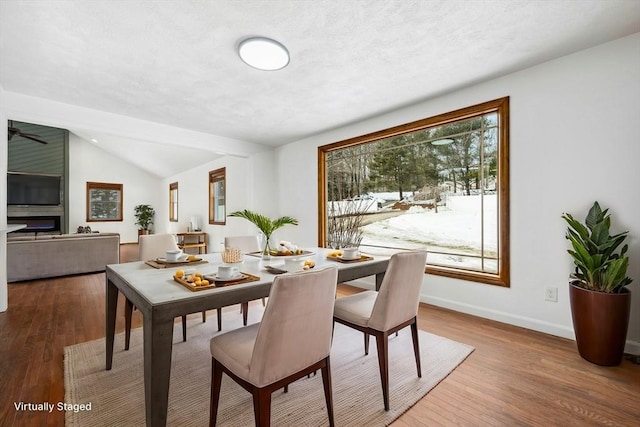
(104,202)
(440,184)
(217,204)
(173,202)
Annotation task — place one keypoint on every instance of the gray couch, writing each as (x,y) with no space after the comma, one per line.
(37,257)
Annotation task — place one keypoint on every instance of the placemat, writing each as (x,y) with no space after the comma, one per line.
(339,259)
(159,264)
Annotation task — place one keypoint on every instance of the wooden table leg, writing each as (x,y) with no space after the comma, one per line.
(379,278)
(158,336)
(111,307)
(128,310)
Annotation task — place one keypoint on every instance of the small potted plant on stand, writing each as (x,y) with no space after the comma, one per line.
(600,301)
(144,218)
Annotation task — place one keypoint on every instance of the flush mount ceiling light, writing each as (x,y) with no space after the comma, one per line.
(263,53)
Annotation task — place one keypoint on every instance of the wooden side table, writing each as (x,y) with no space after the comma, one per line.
(193,239)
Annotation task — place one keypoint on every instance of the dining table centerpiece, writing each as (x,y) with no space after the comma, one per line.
(265,224)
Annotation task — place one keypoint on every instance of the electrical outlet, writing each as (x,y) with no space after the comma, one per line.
(551,294)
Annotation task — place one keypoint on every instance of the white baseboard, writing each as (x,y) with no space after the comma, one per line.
(631,347)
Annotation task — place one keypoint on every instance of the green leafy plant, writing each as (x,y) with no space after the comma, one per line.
(599,265)
(266,225)
(144,216)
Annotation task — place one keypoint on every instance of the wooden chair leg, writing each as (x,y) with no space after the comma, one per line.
(366,343)
(245,312)
(416,345)
(128,309)
(328,395)
(383,361)
(204,316)
(216,384)
(184,328)
(262,406)
(219,310)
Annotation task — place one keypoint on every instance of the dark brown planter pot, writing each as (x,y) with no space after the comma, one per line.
(600,322)
(142,232)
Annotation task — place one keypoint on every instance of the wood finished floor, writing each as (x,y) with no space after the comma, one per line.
(515,377)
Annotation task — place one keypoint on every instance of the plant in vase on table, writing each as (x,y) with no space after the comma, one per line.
(600,300)
(266,226)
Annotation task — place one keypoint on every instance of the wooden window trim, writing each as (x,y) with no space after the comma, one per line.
(103,186)
(501,107)
(173,216)
(216,176)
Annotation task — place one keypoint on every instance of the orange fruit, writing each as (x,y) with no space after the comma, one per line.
(179,273)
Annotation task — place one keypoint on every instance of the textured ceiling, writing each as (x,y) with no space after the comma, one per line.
(175,62)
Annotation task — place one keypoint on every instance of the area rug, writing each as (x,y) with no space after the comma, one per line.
(117,396)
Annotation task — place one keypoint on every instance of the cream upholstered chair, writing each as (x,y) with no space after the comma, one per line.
(246,244)
(393,308)
(293,340)
(152,246)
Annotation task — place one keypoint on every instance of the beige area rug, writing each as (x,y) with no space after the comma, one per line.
(117,396)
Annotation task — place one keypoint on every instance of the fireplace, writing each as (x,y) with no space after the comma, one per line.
(38,224)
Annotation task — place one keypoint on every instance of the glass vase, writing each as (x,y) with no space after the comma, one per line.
(266,252)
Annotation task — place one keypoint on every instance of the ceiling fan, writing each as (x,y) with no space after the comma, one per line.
(17,132)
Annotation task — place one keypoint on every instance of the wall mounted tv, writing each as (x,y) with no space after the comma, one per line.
(33,189)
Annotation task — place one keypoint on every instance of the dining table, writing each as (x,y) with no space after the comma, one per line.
(161,299)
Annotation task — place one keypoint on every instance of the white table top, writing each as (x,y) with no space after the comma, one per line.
(157,285)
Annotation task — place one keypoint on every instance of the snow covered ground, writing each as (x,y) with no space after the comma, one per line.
(453,235)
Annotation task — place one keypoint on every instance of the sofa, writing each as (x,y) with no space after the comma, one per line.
(36,257)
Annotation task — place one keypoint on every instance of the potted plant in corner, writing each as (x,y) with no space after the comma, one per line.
(600,301)
(266,225)
(144,218)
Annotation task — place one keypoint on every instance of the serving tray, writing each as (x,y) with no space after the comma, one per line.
(245,278)
(340,259)
(157,263)
(300,255)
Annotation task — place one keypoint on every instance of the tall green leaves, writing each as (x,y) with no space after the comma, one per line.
(264,224)
(598,266)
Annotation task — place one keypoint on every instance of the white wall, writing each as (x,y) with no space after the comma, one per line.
(249,185)
(87,162)
(573,140)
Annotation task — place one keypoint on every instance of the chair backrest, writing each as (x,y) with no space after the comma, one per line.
(154,246)
(296,327)
(399,294)
(246,244)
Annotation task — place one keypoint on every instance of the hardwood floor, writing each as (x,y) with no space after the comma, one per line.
(515,377)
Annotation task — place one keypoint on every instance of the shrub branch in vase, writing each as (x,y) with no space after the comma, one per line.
(265,224)
(600,301)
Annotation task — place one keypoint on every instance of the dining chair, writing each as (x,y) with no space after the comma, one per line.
(292,340)
(246,244)
(153,246)
(393,307)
